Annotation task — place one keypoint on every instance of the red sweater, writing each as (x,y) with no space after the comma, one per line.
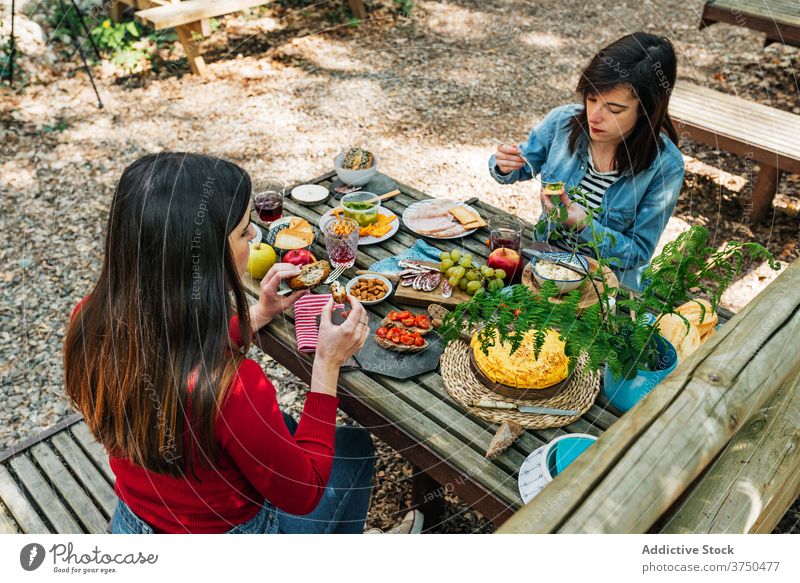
(259,459)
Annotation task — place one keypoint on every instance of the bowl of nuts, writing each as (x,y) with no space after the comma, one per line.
(369,289)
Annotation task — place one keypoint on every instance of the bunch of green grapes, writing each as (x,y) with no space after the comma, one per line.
(464,273)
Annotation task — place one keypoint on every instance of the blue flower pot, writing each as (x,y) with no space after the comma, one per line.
(624,393)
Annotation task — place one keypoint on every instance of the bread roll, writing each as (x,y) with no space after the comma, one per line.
(691,311)
(338,292)
(311,275)
(673,328)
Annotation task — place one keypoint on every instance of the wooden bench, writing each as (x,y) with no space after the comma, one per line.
(779,19)
(57,482)
(757,132)
(190,19)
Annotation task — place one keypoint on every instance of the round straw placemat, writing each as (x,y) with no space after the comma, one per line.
(462,384)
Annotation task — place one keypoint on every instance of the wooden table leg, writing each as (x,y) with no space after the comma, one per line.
(190,45)
(358,9)
(764,192)
(427,496)
(115,10)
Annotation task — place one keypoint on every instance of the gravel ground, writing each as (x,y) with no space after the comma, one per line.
(291,88)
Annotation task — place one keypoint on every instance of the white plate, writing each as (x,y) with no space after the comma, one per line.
(369,240)
(531,479)
(353,281)
(423,202)
(259,235)
(310,194)
(276,226)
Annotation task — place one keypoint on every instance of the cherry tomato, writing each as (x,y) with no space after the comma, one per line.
(409,321)
(392,315)
(419,341)
(516,312)
(394,335)
(402,315)
(422,321)
(381,332)
(407,339)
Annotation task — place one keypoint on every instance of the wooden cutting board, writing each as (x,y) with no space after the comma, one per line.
(413,297)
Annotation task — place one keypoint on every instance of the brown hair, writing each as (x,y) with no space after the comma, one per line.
(647,64)
(157,320)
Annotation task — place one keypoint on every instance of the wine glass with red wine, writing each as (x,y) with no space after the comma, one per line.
(268,196)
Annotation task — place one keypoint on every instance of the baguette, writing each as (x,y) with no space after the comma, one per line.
(403,348)
(387,323)
(311,275)
(338,292)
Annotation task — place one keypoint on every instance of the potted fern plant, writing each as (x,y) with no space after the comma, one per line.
(626,340)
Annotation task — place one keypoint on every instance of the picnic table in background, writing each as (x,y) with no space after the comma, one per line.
(190,19)
(779,19)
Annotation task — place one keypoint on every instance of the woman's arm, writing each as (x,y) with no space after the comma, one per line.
(291,471)
(534,151)
(635,246)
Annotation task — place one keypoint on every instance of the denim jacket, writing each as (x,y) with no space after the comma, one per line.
(635,208)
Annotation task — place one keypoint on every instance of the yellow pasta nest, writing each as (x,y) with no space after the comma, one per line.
(522,370)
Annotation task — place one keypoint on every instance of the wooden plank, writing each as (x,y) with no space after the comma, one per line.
(727,121)
(15,499)
(70,490)
(7,523)
(174,15)
(358,9)
(625,482)
(755,479)
(91,479)
(39,436)
(778,19)
(47,501)
(96,452)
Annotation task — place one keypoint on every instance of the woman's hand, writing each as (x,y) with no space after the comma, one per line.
(270,304)
(576,214)
(335,344)
(508,158)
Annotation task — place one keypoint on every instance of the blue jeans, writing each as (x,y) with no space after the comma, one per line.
(342,509)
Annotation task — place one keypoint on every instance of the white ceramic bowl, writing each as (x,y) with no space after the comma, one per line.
(354,177)
(355,280)
(563,285)
(310,194)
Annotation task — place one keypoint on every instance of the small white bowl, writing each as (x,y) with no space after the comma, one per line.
(355,177)
(355,280)
(563,285)
(310,194)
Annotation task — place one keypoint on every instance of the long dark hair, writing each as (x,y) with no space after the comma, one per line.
(157,319)
(647,64)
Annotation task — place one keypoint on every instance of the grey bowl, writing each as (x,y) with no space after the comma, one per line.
(355,177)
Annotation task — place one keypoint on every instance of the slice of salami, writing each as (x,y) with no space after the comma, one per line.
(407,281)
(431,281)
(447,291)
(418,281)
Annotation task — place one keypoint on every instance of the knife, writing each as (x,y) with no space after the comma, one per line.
(490,404)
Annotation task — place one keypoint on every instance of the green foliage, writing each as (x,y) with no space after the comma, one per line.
(624,343)
(406,6)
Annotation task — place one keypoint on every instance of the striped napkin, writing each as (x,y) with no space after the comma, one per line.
(306,323)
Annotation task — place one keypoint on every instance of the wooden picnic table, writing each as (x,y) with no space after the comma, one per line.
(417,417)
(779,19)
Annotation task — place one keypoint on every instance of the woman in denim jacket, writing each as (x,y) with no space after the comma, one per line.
(619,146)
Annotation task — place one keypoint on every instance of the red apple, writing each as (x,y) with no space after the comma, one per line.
(299,257)
(508,260)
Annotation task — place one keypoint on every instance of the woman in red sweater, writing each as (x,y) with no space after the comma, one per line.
(155,359)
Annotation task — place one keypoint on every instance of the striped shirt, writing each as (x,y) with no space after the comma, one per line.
(594,185)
